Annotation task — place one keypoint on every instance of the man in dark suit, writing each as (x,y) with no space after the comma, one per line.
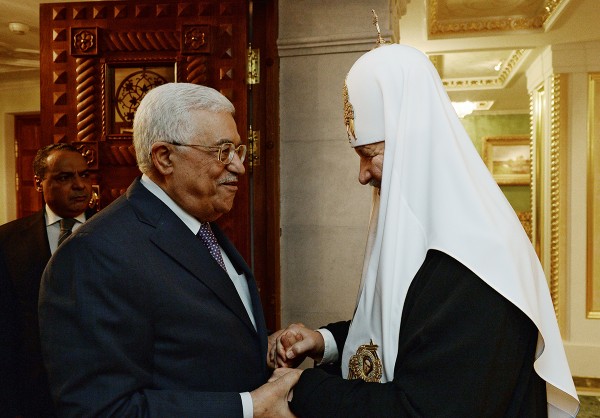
(61,174)
(143,312)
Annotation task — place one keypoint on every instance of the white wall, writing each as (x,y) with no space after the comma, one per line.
(324,209)
(17,96)
(583,340)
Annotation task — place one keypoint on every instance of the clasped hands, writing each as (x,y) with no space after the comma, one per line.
(287,348)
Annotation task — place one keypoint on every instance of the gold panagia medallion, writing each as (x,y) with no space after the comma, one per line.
(365,364)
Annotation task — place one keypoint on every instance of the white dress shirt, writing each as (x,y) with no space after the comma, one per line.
(53,227)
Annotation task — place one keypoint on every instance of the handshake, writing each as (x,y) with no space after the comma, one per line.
(287,348)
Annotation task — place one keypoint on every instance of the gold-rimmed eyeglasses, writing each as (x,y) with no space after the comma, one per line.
(226,150)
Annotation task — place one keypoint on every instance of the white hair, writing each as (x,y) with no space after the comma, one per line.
(165,115)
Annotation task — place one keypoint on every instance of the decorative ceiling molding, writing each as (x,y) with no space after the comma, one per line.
(479,20)
(507,72)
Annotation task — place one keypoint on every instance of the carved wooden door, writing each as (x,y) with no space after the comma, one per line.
(27,141)
(99,58)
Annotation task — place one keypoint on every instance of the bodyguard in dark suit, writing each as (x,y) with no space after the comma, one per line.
(149,310)
(61,174)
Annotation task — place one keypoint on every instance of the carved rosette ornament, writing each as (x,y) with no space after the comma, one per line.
(195,39)
(365,364)
(84,41)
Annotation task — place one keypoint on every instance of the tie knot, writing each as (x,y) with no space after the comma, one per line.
(66,224)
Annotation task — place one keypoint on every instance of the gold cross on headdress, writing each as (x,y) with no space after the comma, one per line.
(380,40)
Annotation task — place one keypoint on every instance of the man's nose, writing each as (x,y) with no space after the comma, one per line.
(236,165)
(364,175)
(78,182)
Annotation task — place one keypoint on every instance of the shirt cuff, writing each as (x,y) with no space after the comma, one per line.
(330,353)
(247,405)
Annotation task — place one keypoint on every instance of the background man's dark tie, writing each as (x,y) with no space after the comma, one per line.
(66,225)
(209,239)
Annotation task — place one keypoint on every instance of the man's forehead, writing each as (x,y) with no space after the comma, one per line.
(66,161)
(370,148)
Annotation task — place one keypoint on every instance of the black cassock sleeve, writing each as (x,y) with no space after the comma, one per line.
(464,351)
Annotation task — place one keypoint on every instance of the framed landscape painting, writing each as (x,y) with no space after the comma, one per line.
(509,159)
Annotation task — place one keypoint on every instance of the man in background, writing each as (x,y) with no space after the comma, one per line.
(149,310)
(26,244)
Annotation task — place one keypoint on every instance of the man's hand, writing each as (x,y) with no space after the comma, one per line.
(271,349)
(297,342)
(271,399)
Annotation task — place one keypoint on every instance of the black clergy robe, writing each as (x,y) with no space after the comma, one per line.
(464,351)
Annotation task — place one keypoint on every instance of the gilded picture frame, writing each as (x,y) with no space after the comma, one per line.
(508,158)
(593,204)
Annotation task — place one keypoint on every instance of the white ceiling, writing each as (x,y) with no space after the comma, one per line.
(472,36)
(466,39)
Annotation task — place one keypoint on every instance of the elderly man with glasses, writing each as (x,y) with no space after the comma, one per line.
(149,310)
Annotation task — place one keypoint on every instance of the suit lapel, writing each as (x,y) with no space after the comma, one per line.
(40,245)
(171,235)
(242,267)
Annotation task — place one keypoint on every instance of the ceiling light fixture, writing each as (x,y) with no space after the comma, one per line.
(463,108)
(498,66)
(18,28)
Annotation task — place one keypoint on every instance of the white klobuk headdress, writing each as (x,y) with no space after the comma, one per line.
(436,193)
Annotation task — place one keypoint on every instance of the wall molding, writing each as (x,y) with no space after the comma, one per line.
(324,45)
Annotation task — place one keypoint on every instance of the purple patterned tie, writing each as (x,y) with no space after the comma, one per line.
(211,243)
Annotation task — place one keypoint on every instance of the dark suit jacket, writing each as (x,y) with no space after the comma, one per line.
(24,252)
(464,351)
(137,319)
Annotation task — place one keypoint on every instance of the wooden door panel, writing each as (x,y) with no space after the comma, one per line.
(27,141)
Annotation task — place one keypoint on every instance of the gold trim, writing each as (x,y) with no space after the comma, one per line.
(538,113)
(533,159)
(253,66)
(502,24)
(555,192)
(348,114)
(551,8)
(549,223)
(593,211)
(488,82)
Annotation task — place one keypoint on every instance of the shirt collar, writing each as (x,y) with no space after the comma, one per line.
(52,217)
(192,223)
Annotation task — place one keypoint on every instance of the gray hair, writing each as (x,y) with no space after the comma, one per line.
(165,114)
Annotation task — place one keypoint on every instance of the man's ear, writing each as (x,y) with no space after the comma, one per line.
(38,183)
(161,158)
